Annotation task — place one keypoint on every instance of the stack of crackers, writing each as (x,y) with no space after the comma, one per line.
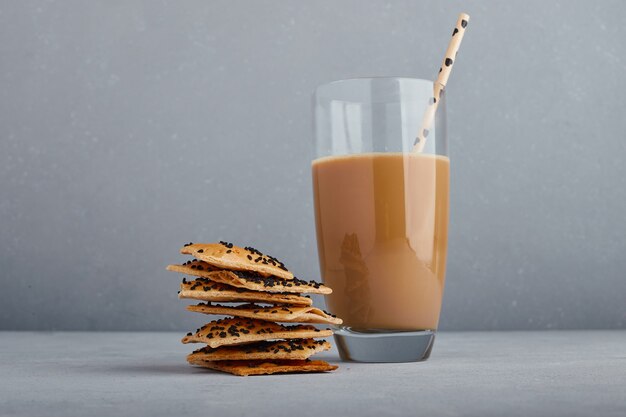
(250,341)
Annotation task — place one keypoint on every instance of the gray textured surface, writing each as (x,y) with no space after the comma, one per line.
(571,373)
(130,127)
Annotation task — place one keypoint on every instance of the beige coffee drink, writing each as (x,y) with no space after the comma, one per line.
(382,225)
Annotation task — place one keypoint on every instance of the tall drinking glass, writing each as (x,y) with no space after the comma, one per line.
(381,213)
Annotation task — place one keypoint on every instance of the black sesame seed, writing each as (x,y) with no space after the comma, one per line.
(464,23)
(455,31)
(200,250)
(449,62)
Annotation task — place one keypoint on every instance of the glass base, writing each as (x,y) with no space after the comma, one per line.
(384,346)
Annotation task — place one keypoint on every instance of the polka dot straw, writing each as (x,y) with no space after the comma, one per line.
(442,80)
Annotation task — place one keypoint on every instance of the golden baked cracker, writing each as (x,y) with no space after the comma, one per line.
(239,331)
(262,367)
(206,290)
(281,349)
(276,313)
(248,279)
(228,256)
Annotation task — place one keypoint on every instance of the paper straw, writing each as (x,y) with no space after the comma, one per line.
(442,80)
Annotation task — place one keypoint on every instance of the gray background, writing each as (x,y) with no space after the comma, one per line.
(128,128)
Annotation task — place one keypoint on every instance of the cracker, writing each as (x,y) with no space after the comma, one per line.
(228,256)
(246,368)
(248,279)
(238,331)
(277,313)
(206,290)
(281,349)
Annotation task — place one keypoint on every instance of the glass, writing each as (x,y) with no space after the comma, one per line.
(381,214)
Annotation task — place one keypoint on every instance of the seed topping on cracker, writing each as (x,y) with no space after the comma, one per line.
(237,331)
(228,256)
(249,279)
(276,313)
(281,349)
(206,290)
